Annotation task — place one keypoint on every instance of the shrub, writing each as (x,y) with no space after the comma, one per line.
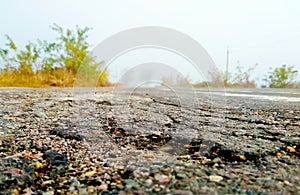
(283,77)
(52,63)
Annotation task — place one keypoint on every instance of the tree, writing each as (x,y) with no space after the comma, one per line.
(282,77)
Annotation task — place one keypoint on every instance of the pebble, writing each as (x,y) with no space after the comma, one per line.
(131,184)
(103,187)
(55,158)
(38,165)
(139,173)
(83,191)
(106,176)
(287,183)
(290,149)
(242,157)
(260,126)
(48,193)
(90,173)
(159,176)
(215,178)
(164,180)
(180,175)
(189,165)
(148,183)
(90,189)
(149,155)
(217,160)
(47,183)
(40,113)
(14,192)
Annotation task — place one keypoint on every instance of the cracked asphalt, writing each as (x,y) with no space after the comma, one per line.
(150,141)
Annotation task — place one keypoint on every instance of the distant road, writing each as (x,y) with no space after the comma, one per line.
(292,95)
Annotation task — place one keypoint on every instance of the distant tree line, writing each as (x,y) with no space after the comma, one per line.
(56,63)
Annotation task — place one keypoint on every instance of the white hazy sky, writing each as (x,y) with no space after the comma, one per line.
(266,32)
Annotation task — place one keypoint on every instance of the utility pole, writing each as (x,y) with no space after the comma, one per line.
(227,63)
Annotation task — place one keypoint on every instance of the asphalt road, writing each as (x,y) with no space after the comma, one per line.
(159,140)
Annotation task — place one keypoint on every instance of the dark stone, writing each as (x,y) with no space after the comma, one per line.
(55,158)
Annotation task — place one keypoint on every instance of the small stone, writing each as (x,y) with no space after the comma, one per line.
(260,126)
(189,165)
(216,160)
(106,176)
(148,155)
(180,175)
(215,178)
(205,161)
(75,182)
(48,193)
(40,113)
(188,146)
(242,157)
(287,183)
(103,187)
(91,189)
(47,183)
(38,165)
(55,158)
(290,149)
(162,179)
(90,173)
(130,183)
(197,154)
(15,192)
(148,183)
(83,191)
(278,154)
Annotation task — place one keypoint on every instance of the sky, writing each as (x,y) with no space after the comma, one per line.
(263,32)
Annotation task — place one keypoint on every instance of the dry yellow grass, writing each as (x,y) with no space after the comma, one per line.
(58,77)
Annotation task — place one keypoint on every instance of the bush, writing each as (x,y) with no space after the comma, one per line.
(240,80)
(283,77)
(52,64)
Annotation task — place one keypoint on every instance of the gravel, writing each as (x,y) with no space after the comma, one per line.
(147,141)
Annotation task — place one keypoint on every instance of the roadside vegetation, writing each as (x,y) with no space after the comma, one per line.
(283,77)
(46,64)
(67,61)
(241,79)
(280,77)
